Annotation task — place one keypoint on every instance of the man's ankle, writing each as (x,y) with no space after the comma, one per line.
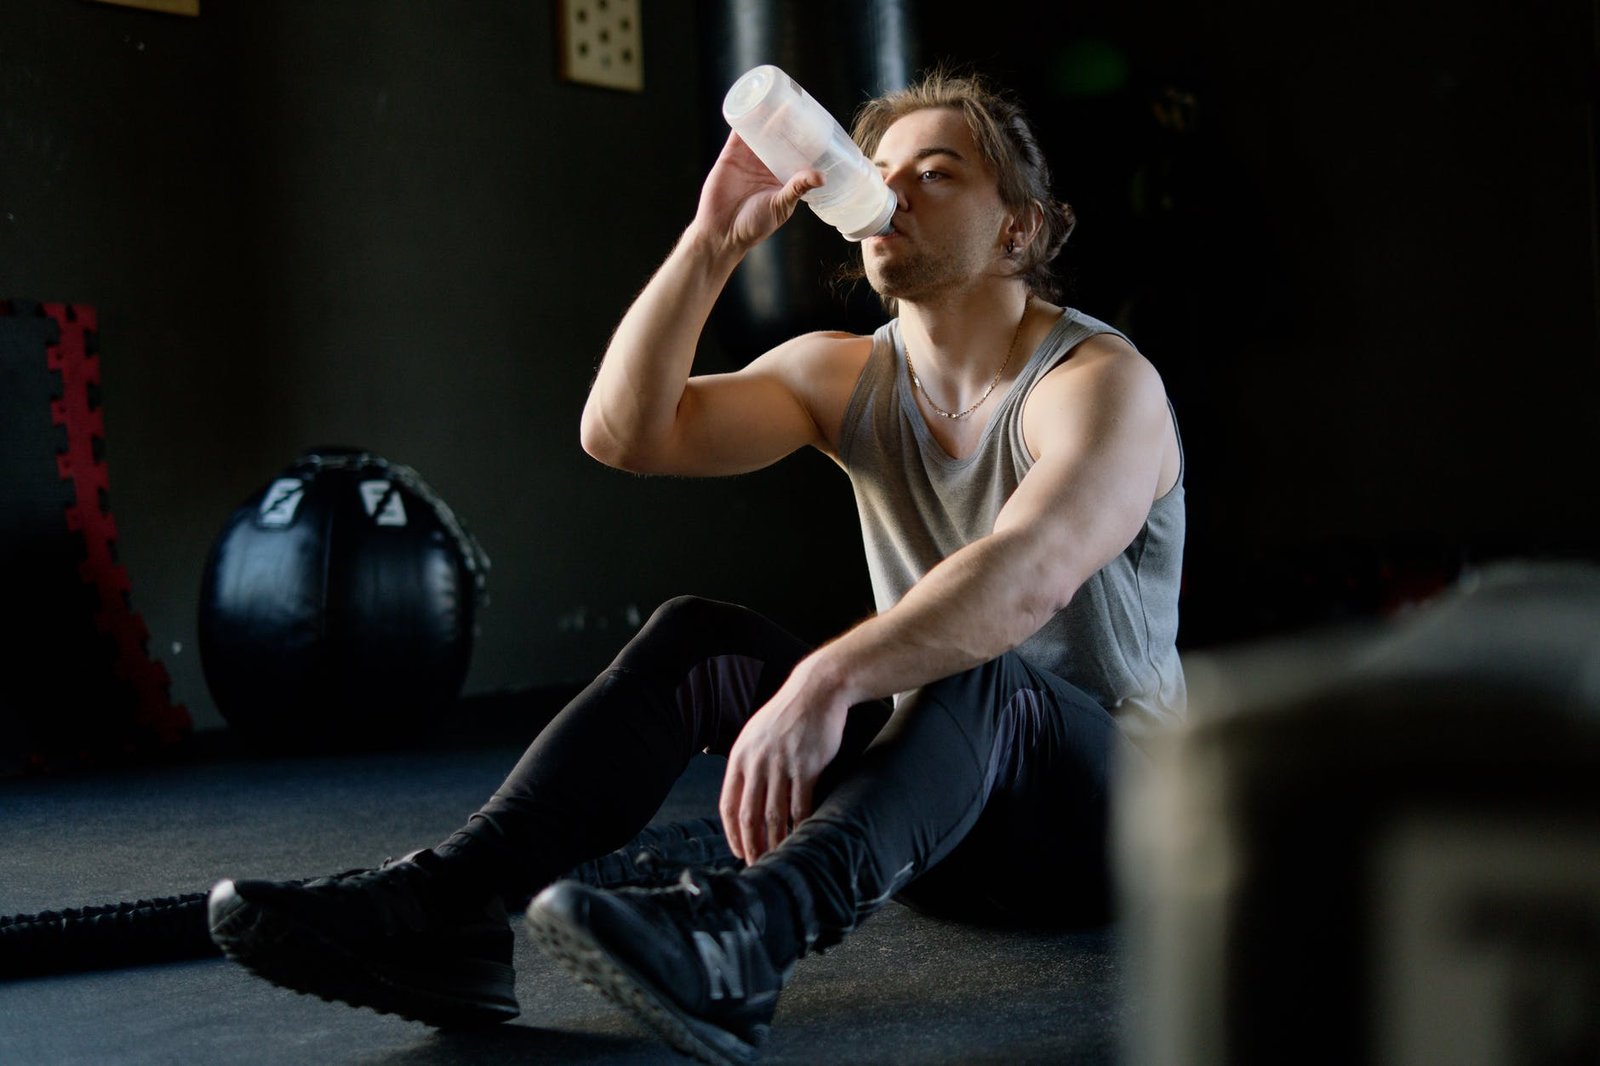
(785,905)
(475,862)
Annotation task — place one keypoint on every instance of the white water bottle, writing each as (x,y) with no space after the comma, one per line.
(790,132)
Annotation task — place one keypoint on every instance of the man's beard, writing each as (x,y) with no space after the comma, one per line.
(918,275)
(905,279)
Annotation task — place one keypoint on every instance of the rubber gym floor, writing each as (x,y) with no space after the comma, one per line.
(905,988)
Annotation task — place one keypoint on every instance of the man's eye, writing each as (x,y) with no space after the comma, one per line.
(931,175)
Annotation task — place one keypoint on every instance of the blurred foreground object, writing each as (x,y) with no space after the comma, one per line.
(1380,847)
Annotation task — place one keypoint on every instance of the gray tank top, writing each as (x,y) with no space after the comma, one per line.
(1116,640)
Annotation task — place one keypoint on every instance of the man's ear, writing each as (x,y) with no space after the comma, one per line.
(1024,226)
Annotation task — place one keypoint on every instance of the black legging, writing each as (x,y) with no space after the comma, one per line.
(984,794)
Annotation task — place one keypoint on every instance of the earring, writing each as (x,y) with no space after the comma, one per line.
(1011,247)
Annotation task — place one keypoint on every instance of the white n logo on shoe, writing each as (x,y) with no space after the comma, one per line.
(722,962)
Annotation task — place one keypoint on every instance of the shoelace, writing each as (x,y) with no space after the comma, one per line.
(711,894)
(399,898)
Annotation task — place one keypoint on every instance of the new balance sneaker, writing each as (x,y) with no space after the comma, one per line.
(659,855)
(687,961)
(391,939)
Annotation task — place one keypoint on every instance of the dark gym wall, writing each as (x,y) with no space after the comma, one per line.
(1361,252)
(389,225)
(1359,242)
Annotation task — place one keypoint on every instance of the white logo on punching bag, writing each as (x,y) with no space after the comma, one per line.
(280,503)
(382,501)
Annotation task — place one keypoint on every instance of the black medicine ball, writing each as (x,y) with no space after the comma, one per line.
(338,603)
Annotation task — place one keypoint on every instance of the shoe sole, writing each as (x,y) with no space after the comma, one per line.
(577,952)
(276,948)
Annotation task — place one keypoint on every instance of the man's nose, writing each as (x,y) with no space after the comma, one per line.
(898,183)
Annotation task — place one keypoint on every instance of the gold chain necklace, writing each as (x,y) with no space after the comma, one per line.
(940,411)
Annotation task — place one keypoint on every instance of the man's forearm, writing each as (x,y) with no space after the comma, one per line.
(967,610)
(977,604)
(634,400)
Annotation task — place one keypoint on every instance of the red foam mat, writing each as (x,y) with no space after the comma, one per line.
(77,684)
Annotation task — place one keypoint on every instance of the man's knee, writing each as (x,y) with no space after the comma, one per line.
(677,623)
(692,612)
(683,631)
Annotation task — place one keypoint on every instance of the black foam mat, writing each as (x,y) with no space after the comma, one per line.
(903,989)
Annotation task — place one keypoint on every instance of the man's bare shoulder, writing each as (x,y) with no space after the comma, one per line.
(1105,383)
(821,369)
(823,346)
(818,365)
(1099,367)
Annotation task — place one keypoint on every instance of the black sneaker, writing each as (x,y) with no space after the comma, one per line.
(388,939)
(659,855)
(687,961)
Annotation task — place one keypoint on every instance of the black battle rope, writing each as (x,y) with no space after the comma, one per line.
(175,928)
(167,929)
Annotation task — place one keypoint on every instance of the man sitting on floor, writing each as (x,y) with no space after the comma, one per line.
(1019,479)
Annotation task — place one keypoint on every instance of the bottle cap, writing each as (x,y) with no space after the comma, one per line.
(881,223)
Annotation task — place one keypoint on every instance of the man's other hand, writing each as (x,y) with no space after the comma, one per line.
(776,760)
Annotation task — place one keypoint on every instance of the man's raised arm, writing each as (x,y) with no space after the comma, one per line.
(644,412)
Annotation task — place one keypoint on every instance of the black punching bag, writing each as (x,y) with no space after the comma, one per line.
(338,604)
(844,52)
